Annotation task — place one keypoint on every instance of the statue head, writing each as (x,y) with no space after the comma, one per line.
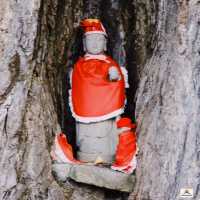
(94,41)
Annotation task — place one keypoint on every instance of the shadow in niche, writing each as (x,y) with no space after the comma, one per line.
(133,49)
(123,49)
(107,193)
(68,123)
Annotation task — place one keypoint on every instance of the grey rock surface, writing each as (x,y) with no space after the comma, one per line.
(35,41)
(95,175)
(168,107)
(28,101)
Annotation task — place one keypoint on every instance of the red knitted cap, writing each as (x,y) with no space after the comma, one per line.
(125,122)
(92,26)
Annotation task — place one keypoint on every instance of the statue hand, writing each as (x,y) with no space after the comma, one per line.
(113,73)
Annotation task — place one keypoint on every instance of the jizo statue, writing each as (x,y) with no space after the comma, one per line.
(97,99)
(98,96)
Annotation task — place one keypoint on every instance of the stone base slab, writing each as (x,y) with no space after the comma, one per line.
(95,175)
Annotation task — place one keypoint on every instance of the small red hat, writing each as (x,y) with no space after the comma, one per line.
(93,26)
(125,122)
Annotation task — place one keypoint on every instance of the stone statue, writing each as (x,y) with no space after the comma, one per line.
(97,97)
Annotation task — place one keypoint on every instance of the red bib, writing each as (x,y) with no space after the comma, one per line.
(94,97)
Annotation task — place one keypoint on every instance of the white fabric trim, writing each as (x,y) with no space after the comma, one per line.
(70,77)
(103,28)
(121,130)
(125,74)
(100,32)
(60,154)
(98,57)
(92,119)
(103,57)
(127,169)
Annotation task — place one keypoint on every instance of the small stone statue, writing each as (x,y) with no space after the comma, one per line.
(97,96)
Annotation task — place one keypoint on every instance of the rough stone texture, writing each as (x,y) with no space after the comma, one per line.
(36,46)
(32,48)
(168,107)
(35,49)
(95,175)
(86,192)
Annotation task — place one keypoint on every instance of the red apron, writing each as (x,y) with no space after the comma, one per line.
(94,97)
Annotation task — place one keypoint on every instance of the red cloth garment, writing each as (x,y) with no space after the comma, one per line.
(94,97)
(125,158)
(62,151)
(92,26)
(126,148)
(125,122)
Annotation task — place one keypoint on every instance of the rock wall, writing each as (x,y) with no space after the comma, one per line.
(39,41)
(158,42)
(167,107)
(34,38)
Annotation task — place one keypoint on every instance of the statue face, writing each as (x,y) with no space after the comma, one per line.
(94,43)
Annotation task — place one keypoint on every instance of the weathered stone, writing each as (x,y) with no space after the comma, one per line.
(168,107)
(37,36)
(97,140)
(95,175)
(32,45)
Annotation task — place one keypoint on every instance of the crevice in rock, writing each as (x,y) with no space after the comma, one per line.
(159,45)
(14,74)
(131,29)
(131,37)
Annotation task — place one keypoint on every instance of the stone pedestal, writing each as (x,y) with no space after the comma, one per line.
(95,175)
